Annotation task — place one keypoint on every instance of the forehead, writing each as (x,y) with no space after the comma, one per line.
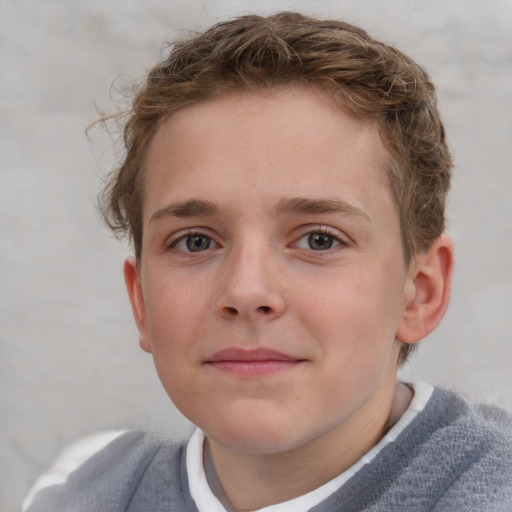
(284,135)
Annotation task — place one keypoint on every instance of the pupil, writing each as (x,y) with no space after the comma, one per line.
(320,241)
(197,243)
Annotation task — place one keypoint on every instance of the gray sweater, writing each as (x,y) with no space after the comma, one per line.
(452,457)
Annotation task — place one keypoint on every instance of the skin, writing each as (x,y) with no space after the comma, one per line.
(297,249)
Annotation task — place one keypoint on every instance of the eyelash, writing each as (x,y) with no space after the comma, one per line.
(183,238)
(322,230)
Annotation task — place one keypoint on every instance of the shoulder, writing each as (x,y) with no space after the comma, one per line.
(478,428)
(111,477)
(462,454)
(452,456)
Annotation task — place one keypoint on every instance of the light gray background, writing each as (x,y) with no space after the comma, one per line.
(69,357)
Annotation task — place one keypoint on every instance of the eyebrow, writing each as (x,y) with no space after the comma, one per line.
(295,205)
(318,206)
(184,209)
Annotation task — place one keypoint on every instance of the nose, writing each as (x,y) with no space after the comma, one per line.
(250,287)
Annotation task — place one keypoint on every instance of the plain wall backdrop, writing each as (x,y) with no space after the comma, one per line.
(69,357)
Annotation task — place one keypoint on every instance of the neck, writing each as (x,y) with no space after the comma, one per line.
(248,481)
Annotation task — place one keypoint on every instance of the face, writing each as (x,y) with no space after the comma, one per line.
(272,280)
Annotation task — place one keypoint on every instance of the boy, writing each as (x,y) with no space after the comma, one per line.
(284,188)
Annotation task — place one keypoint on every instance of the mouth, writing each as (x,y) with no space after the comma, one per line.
(252,363)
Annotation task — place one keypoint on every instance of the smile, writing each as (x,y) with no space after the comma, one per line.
(252,363)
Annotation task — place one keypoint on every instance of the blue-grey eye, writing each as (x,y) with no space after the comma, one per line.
(193,243)
(317,241)
(320,241)
(196,243)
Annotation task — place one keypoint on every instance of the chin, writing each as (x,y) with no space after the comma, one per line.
(257,436)
(255,443)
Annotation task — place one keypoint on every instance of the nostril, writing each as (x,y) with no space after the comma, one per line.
(231,311)
(264,309)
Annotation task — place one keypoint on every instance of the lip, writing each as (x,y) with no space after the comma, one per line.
(252,363)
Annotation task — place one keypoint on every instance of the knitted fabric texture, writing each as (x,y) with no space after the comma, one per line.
(452,457)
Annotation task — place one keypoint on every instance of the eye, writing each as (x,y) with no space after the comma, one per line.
(318,241)
(196,242)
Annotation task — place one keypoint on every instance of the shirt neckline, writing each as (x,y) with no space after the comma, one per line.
(207,501)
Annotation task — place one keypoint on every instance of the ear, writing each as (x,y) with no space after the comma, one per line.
(134,287)
(427,291)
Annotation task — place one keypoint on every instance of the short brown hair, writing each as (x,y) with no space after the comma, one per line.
(367,79)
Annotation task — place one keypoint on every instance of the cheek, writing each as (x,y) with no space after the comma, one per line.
(355,318)
(175,320)
(355,327)
(167,300)
(176,315)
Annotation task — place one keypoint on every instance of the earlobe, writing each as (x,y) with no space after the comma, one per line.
(134,288)
(427,291)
